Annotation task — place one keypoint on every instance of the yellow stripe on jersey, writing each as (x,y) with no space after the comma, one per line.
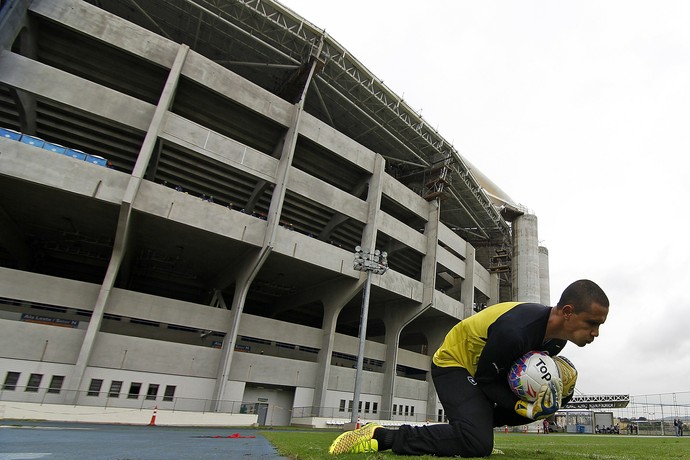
(465,341)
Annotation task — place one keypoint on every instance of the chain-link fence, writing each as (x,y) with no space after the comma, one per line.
(663,406)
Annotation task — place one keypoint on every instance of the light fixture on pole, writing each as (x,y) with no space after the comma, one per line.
(370,262)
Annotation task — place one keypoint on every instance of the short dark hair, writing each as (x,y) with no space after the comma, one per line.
(581,294)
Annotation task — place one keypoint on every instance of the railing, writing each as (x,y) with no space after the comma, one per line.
(102,399)
(337,413)
(45,395)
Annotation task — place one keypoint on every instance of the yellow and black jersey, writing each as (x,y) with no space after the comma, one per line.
(489,342)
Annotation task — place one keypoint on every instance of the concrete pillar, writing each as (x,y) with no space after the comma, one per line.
(429,263)
(334,297)
(124,225)
(374,202)
(544,279)
(242,283)
(494,289)
(394,325)
(13,20)
(436,332)
(251,268)
(18,30)
(368,243)
(323,372)
(526,259)
(396,318)
(467,293)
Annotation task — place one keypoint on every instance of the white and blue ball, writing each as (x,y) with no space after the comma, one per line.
(530,372)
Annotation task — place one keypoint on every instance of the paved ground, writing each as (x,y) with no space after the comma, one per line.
(71,441)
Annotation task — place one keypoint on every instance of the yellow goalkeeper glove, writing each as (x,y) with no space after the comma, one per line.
(547,403)
(568,374)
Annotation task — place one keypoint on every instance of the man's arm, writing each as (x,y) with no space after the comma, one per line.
(503,347)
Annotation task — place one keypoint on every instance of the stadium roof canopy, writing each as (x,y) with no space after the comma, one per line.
(273,47)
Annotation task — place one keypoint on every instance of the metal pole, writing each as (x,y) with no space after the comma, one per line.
(360,355)
(661,405)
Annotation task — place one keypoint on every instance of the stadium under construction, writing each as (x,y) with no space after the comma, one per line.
(183,184)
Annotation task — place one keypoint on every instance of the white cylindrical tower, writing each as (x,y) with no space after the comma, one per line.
(544,281)
(526,259)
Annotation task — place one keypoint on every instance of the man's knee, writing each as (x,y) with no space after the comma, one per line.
(476,442)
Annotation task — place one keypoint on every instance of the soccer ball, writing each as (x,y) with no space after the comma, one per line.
(530,372)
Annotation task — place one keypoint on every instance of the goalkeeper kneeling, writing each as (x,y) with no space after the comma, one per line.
(470,368)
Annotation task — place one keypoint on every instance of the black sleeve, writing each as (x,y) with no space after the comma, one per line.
(504,345)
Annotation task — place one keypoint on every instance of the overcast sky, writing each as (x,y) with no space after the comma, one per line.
(579,110)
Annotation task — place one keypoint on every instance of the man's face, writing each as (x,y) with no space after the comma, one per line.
(583,328)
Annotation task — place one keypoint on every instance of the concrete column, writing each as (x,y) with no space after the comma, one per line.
(334,296)
(494,289)
(436,331)
(544,278)
(396,318)
(245,276)
(323,373)
(282,176)
(394,327)
(467,292)
(123,225)
(374,202)
(526,259)
(18,30)
(242,283)
(429,263)
(12,21)
(368,242)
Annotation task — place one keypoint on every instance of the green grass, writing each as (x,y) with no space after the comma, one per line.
(312,445)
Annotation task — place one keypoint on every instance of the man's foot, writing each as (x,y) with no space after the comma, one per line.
(356,441)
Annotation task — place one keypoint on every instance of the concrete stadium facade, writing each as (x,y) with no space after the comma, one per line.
(201,258)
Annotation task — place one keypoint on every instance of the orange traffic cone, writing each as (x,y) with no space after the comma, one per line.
(359,423)
(153,417)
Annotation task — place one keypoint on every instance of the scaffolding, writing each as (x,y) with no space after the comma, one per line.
(501,261)
(438,177)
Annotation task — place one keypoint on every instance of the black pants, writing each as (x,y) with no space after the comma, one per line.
(471,417)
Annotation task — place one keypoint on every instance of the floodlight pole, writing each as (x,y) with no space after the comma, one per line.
(360,355)
(367,262)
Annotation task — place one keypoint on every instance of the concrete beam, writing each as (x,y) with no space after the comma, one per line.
(24,74)
(108,28)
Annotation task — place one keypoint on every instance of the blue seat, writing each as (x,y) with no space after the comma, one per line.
(97,160)
(10,134)
(54,147)
(32,140)
(78,154)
